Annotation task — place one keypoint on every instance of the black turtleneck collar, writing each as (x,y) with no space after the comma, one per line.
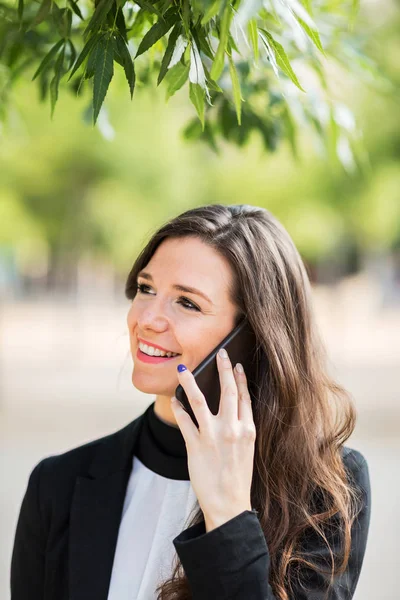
(161,447)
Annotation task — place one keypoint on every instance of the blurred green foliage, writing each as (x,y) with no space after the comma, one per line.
(68,191)
(245,64)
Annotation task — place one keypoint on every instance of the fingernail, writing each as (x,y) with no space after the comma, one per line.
(223,353)
(239,368)
(173,399)
(181,368)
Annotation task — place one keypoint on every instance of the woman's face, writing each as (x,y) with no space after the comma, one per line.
(179,321)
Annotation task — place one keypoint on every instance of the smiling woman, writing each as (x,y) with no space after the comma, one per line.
(263,500)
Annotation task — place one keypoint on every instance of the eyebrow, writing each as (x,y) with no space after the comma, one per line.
(181,288)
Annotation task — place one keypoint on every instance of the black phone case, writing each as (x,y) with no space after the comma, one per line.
(241,345)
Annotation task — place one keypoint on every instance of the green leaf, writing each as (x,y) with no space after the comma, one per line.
(149,7)
(43,85)
(196,95)
(218,64)
(20,9)
(169,52)
(104,71)
(237,94)
(48,58)
(67,22)
(76,9)
(99,16)
(312,34)
(121,25)
(212,11)
(85,51)
(186,54)
(253,35)
(55,82)
(127,63)
(186,14)
(211,84)
(282,59)
(202,42)
(194,131)
(232,44)
(158,30)
(176,78)
(72,54)
(60,18)
(41,14)
(92,61)
(163,5)
(16,49)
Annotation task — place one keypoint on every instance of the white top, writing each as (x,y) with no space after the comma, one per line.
(152,517)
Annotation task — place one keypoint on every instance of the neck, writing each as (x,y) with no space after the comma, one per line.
(163,410)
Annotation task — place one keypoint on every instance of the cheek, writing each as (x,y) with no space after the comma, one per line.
(197,342)
(131,319)
(207,340)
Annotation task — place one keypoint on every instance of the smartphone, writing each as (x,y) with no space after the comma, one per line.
(241,345)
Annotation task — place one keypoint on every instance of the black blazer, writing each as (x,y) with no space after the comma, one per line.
(68,527)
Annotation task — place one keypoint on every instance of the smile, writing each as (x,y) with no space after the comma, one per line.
(152,351)
(142,356)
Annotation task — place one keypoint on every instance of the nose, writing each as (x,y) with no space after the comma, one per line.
(152,318)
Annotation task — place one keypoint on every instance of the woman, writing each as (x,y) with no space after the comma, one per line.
(263,501)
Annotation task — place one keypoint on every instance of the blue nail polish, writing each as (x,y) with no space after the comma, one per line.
(181,368)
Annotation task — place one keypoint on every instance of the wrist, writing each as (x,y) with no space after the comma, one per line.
(214,521)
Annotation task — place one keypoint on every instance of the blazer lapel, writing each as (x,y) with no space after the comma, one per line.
(96,514)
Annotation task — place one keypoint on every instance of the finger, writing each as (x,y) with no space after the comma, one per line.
(245,408)
(188,428)
(228,407)
(196,398)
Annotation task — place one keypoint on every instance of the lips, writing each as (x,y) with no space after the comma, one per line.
(141,340)
(152,359)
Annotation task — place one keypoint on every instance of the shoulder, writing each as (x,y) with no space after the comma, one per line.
(52,482)
(353,459)
(356,466)
(73,462)
(56,474)
(357,470)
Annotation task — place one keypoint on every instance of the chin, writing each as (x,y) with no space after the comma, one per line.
(148,387)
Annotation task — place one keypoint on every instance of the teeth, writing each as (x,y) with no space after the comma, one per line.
(154,351)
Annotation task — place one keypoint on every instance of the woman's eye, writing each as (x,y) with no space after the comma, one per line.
(182,300)
(140,287)
(187,304)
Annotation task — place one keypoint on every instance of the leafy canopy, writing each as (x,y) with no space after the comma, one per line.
(247,64)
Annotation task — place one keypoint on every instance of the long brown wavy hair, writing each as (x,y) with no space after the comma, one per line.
(302,416)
